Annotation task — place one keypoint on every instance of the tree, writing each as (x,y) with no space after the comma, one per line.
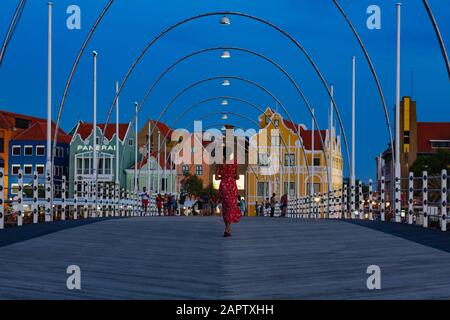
(192,185)
(433,164)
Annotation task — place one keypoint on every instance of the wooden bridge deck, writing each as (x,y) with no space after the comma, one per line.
(187,258)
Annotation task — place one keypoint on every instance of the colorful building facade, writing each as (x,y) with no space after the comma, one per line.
(281,163)
(81,154)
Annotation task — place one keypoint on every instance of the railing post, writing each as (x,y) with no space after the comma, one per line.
(75,201)
(102,199)
(86,200)
(35,203)
(2,198)
(352,201)
(397,204)
(361,201)
(410,197)
(425,198)
(383,199)
(48,197)
(63,199)
(444,200)
(20,200)
(345,201)
(370,200)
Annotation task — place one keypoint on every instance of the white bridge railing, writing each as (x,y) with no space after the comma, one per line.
(108,201)
(424,201)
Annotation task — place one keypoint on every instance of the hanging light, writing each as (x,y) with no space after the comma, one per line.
(225,21)
(224,117)
(226,55)
(226,83)
(223,128)
(224,102)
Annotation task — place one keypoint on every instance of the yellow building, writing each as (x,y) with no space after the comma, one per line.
(277,160)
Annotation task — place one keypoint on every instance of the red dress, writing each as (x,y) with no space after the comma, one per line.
(228,193)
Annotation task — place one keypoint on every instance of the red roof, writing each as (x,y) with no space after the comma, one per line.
(38,132)
(165,130)
(162,161)
(8,119)
(307,136)
(85,129)
(427,131)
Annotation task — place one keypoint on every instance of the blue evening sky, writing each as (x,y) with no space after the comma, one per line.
(316,24)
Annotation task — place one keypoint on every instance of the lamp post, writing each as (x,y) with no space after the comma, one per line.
(397,184)
(94,139)
(48,167)
(135,147)
(352,175)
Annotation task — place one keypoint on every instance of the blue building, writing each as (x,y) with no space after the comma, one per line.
(27,152)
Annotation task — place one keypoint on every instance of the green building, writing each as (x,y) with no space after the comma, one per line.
(81,154)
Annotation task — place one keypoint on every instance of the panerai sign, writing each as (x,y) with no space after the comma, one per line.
(99,148)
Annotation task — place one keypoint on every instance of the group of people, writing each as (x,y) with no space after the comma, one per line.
(166,204)
(270,204)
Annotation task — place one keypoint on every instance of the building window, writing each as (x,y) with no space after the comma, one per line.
(22,123)
(40,150)
(15,169)
(291,187)
(263,159)
(40,169)
(263,189)
(276,123)
(14,188)
(198,170)
(316,188)
(440,144)
(289,159)
(16,150)
(185,169)
(28,169)
(2,142)
(275,140)
(316,161)
(130,142)
(28,150)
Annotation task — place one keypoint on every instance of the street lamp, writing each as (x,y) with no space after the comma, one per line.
(226,83)
(225,21)
(226,55)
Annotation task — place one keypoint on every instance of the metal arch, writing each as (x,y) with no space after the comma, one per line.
(253,105)
(292,39)
(262,57)
(12,27)
(209,79)
(215,113)
(438,35)
(374,73)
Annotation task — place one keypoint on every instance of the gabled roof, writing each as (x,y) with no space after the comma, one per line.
(162,127)
(427,131)
(162,161)
(84,129)
(38,132)
(305,134)
(8,119)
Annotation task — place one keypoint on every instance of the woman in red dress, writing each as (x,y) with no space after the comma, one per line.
(228,192)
